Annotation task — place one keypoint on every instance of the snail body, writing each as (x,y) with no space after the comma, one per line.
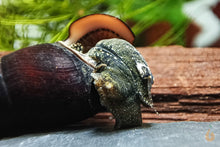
(55,83)
(123,80)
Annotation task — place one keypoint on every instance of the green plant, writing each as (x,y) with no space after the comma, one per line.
(28,22)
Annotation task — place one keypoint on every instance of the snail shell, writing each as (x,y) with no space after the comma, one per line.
(56,84)
(47,84)
(50,84)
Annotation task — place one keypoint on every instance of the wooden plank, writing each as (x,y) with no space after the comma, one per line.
(184,71)
(186,88)
(187,83)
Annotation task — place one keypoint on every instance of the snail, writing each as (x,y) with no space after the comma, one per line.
(95,69)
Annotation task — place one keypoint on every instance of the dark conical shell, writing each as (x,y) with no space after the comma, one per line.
(46,84)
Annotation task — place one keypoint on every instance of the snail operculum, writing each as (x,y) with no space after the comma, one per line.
(93,28)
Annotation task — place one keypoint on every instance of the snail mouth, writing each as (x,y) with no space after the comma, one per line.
(88,60)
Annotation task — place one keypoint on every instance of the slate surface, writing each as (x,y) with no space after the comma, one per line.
(159,135)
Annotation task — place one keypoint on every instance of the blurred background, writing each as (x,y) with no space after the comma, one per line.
(190,23)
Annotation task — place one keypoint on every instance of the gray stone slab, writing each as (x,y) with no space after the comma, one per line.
(160,135)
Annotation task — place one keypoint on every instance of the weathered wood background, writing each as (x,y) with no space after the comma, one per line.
(186,88)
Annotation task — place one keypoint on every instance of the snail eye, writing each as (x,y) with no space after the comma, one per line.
(144,72)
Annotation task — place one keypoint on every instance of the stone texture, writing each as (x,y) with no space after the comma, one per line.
(155,134)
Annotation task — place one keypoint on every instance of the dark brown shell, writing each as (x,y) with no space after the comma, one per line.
(46,84)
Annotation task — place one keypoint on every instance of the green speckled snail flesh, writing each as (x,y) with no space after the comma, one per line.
(94,69)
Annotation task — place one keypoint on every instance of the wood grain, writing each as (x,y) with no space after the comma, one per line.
(186,87)
(184,71)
